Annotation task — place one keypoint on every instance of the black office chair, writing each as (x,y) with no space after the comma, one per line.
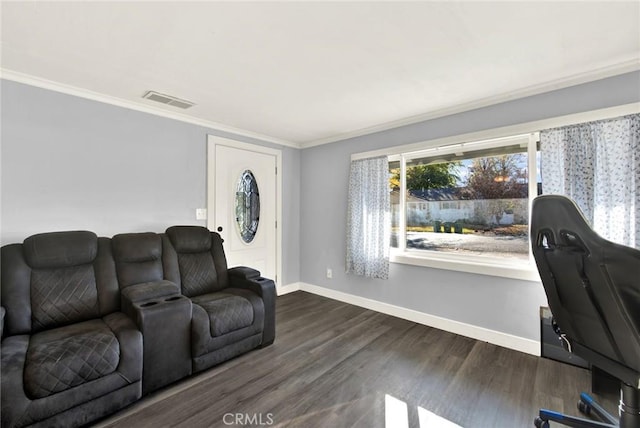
(593,289)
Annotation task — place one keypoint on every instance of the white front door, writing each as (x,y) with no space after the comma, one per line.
(244,200)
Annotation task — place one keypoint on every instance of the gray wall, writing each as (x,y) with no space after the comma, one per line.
(501,304)
(72,163)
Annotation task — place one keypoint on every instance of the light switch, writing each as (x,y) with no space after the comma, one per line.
(201,213)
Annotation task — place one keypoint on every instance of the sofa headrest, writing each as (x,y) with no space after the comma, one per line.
(137,247)
(60,249)
(190,239)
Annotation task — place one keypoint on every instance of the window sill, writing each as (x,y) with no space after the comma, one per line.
(522,270)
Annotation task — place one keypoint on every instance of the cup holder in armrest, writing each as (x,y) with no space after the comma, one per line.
(165,324)
(146,305)
(163,300)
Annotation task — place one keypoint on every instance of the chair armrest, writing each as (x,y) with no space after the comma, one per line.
(243,272)
(250,279)
(144,291)
(14,398)
(150,290)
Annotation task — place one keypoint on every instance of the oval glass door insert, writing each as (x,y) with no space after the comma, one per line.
(247,206)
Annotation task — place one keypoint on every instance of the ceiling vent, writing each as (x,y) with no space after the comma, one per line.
(168,99)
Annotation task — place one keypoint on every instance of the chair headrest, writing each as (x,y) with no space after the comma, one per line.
(190,239)
(562,220)
(137,247)
(60,249)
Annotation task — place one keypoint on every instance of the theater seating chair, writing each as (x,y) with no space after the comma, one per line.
(69,356)
(233,309)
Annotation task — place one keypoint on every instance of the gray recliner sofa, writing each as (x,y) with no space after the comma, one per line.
(89,325)
(69,356)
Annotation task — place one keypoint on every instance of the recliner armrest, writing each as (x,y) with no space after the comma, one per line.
(244,277)
(145,291)
(250,279)
(243,272)
(150,290)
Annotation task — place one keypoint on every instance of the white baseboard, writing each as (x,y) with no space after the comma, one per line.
(289,288)
(468,330)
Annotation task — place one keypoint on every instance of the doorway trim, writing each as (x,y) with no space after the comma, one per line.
(212,142)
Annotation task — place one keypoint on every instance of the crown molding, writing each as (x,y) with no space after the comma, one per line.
(31,80)
(576,79)
(505,131)
(623,67)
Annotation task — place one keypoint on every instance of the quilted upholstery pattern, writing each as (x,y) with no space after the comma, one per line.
(197,273)
(226,312)
(63,296)
(190,239)
(65,361)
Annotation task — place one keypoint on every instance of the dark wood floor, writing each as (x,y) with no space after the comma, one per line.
(337,365)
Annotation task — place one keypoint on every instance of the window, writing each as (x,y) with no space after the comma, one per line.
(467,202)
(450,205)
(409,218)
(247,206)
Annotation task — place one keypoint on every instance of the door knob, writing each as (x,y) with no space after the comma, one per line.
(219,228)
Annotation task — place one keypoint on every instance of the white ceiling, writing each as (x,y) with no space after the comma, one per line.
(304,73)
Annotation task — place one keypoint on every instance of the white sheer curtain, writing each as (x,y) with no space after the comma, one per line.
(597,164)
(369,218)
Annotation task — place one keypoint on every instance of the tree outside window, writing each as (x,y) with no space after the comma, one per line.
(469,203)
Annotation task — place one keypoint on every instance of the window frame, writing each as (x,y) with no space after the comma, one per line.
(445,205)
(533,126)
(518,269)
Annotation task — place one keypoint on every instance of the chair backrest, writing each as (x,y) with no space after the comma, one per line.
(201,260)
(592,285)
(55,279)
(143,257)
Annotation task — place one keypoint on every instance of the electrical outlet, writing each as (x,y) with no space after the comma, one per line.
(201,213)
(329,273)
